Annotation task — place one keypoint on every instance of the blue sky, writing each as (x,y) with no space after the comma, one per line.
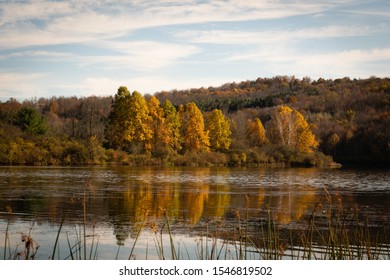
(90,47)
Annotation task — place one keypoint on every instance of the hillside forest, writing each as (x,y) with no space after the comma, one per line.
(282,121)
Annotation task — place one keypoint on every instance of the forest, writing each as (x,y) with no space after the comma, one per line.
(282,121)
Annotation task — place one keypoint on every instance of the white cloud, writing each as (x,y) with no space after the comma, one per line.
(39,53)
(86,21)
(352,63)
(92,33)
(20,85)
(140,55)
(30,10)
(102,86)
(146,84)
(271,36)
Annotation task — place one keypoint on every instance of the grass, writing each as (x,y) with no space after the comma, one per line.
(333,232)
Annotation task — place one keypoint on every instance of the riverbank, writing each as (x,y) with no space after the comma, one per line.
(53,152)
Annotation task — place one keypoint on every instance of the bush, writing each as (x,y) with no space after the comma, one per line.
(201,159)
(74,154)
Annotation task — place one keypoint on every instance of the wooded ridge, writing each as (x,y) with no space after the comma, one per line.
(269,121)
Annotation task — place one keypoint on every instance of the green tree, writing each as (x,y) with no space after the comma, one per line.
(219,130)
(195,138)
(28,119)
(118,129)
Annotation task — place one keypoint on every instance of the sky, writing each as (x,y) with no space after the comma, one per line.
(90,47)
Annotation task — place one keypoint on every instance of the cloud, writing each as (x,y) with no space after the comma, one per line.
(352,63)
(276,35)
(146,84)
(108,43)
(33,23)
(356,63)
(140,55)
(20,85)
(29,10)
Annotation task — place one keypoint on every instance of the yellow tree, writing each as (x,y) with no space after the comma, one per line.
(172,122)
(255,133)
(195,138)
(128,126)
(219,130)
(139,122)
(161,126)
(290,129)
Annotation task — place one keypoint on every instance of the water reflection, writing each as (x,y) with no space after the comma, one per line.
(119,199)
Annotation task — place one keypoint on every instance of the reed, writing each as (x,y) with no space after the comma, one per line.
(334,231)
(6,238)
(138,234)
(58,234)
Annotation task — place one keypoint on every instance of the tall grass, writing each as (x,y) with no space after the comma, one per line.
(6,239)
(333,231)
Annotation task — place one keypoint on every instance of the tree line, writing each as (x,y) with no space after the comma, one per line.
(282,120)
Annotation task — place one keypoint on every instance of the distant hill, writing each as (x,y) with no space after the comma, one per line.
(350,117)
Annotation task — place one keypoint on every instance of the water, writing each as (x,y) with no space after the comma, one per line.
(198,202)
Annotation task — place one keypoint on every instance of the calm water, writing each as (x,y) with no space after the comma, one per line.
(197,201)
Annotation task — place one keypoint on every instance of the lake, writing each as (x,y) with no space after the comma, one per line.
(202,211)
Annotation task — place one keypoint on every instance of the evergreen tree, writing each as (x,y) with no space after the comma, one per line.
(31,121)
(118,130)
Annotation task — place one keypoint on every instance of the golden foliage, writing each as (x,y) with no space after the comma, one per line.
(195,138)
(290,129)
(255,133)
(219,130)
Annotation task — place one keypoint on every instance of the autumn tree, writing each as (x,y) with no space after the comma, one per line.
(219,130)
(139,118)
(128,123)
(160,142)
(195,138)
(290,129)
(9,110)
(173,123)
(255,133)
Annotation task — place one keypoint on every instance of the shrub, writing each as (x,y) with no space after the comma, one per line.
(74,154)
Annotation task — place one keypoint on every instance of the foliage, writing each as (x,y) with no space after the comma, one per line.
(195,138)
(138,122)
(128,123)
(118,129)
(255,133)
(343,118)
(289,128)
(164,136)
(28,119)
(219,130)
(172,122)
